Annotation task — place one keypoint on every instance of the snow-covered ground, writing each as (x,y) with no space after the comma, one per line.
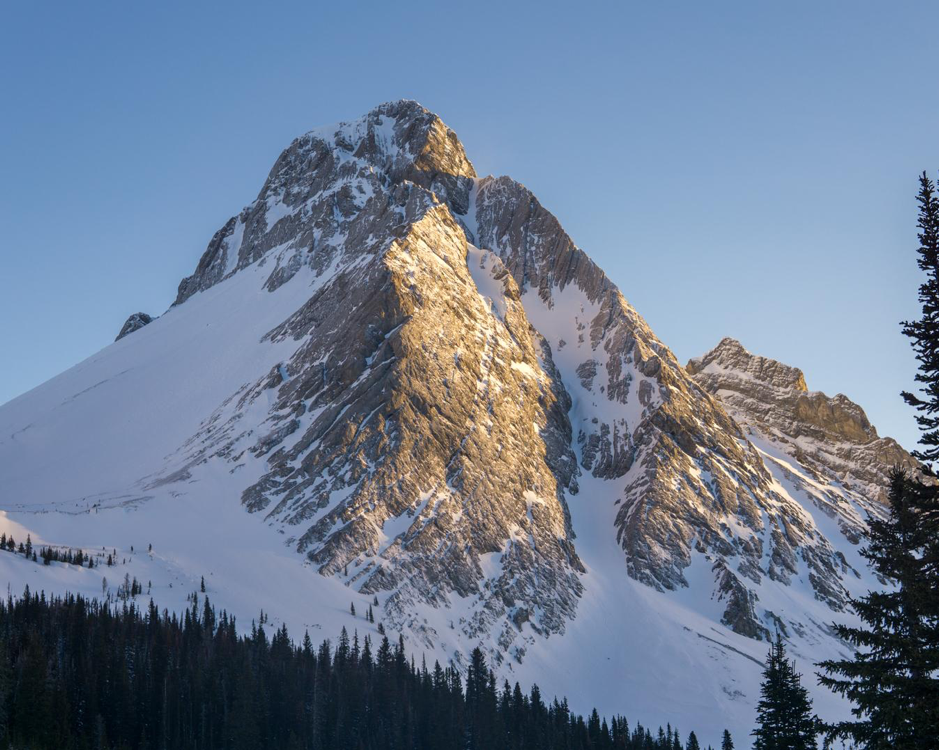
(653,656)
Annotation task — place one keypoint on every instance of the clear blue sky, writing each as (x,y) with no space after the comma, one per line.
(743,169)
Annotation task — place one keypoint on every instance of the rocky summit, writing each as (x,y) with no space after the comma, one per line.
(829,437)
(392,380)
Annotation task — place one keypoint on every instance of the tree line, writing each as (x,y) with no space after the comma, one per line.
(49,555)
(78,673)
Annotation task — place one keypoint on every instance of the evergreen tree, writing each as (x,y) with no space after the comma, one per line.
(784,713)
(727,742)
(5,682)
(893,678)
(925,331)
(31,698)
(692,742)
(77,673)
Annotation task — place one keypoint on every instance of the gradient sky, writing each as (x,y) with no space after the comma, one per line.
(742,169)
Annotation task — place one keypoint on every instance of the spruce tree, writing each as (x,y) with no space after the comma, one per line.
(727,743)
(924,332)
(893,678)
(784,713)
(193,682)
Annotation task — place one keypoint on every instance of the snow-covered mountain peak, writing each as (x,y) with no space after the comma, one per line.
(389,378)
(393,136)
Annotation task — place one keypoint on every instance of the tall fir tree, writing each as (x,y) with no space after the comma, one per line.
(784,714)
(893,678)
(727,742)
(924,333)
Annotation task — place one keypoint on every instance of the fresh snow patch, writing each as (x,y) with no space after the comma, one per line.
(525,369)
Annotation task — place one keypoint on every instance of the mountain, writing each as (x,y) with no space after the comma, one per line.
(830,437)
(392,380)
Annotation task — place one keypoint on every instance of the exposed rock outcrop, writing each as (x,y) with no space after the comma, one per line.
(134,323)
(829,435)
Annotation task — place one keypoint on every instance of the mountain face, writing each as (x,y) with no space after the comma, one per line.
(400,381)
(830,437)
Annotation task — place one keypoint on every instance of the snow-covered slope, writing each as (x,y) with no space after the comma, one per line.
(389,378)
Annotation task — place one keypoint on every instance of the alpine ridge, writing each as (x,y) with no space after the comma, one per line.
(830,437)
(391,380)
